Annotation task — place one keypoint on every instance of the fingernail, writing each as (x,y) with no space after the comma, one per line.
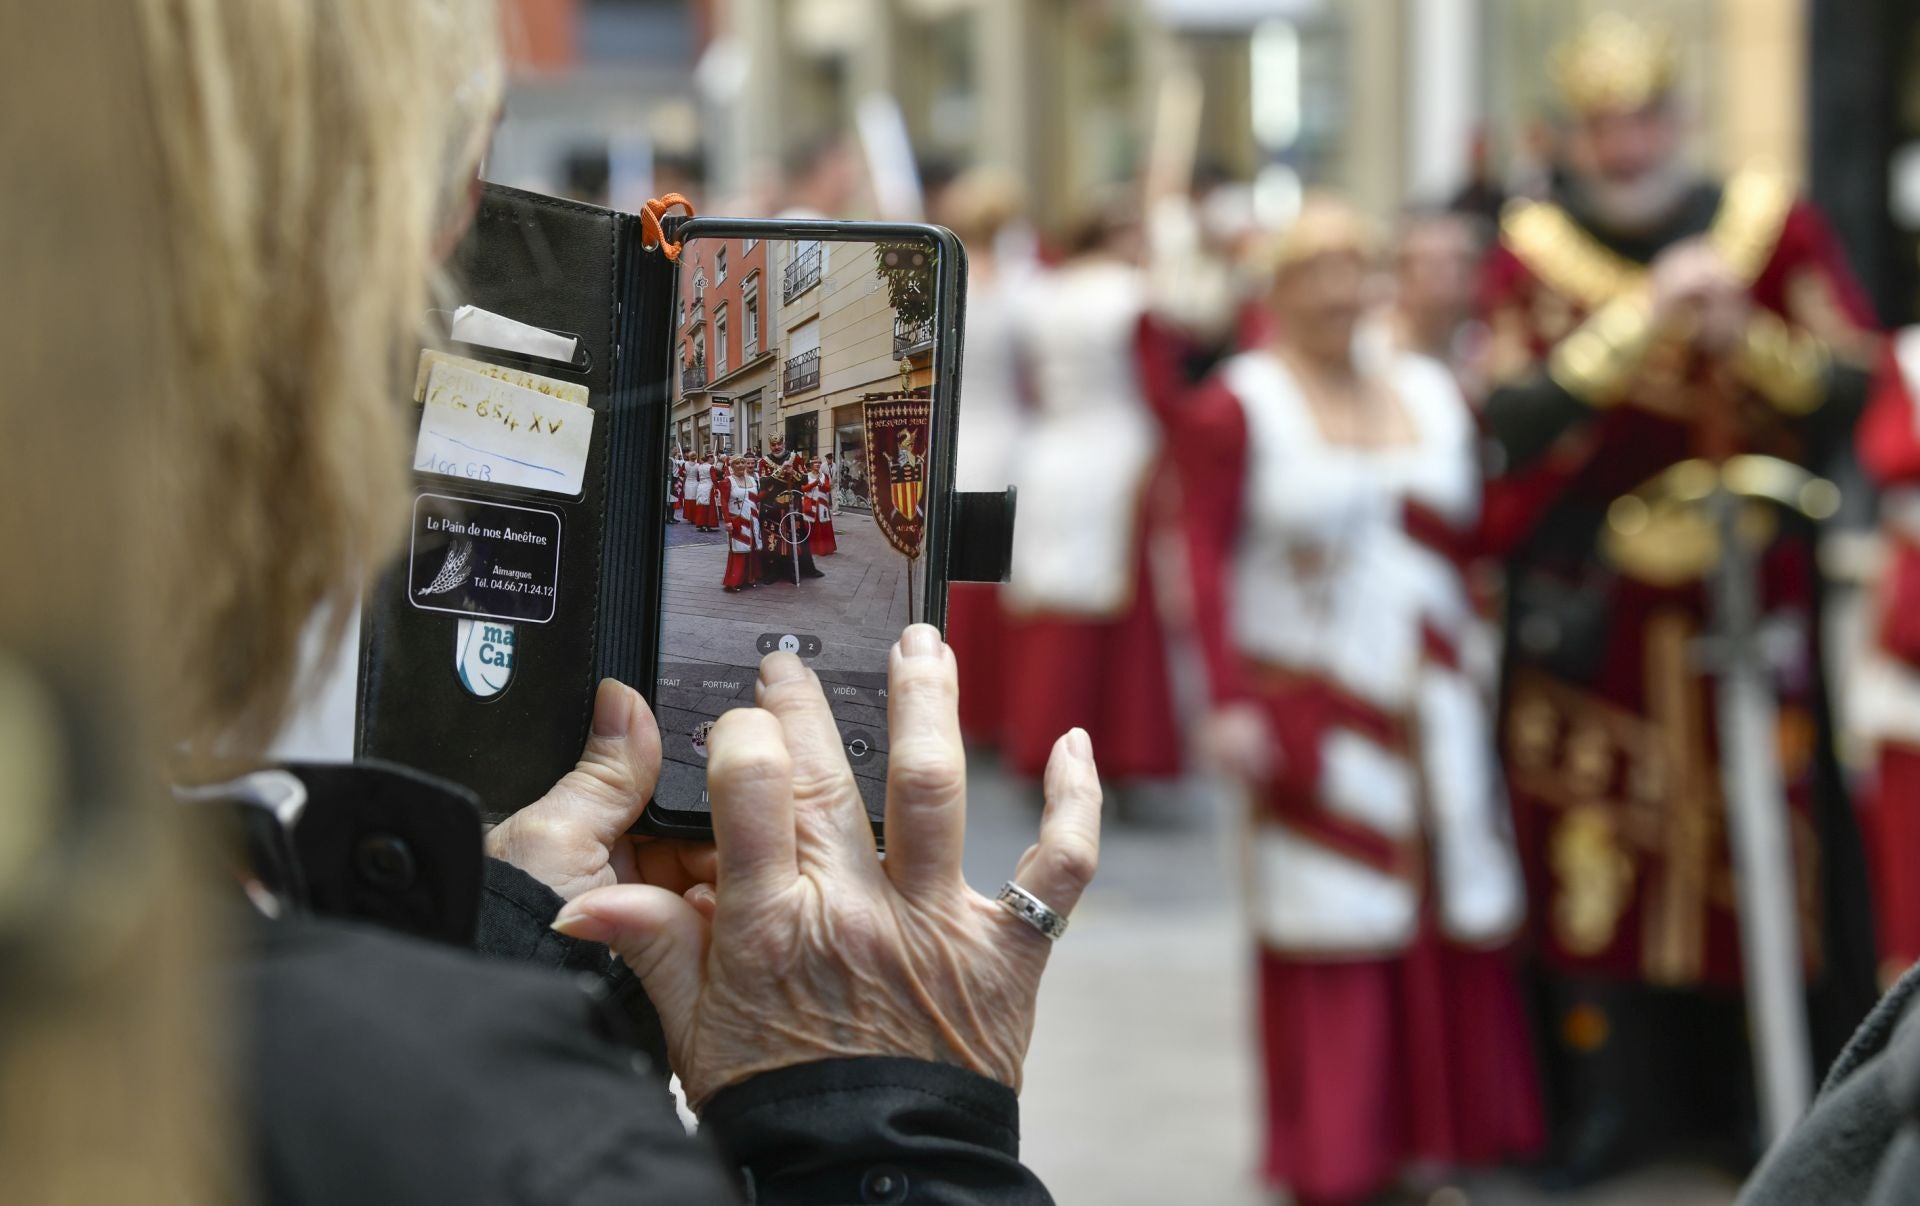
(781,667)
(920,640)
(612,708)
(1080,745)
(576,922)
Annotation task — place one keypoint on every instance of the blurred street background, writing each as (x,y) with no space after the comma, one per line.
(1388,101)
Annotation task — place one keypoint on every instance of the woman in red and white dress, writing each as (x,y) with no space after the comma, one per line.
(1084,643)
(741,507)
(700,482)
(819,509)
(1383,881)
(1885,698)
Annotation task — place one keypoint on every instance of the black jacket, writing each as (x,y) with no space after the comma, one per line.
(388,1067)
(1860,1143)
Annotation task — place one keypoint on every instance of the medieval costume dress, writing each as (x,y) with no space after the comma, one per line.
(676,488)
(741,505)
(1084,643)
(819,509)
(1885,697)
(1608,727)
(991,416)
(700,482)
(1383,880)
(782,513)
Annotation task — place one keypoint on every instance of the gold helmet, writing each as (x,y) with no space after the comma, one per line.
(1615,64)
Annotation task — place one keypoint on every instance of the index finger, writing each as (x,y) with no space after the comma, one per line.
(829,817)
(750,787)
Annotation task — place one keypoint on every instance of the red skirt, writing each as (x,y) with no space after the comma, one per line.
(978,637)
(700,515)
(743,569)
(822,537)
(1107,676)
(1375,1065)
(1892,837)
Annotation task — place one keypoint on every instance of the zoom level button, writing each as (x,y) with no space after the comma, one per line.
(790,642)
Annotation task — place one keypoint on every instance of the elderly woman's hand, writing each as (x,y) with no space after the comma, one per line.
(575,837)
(812,947)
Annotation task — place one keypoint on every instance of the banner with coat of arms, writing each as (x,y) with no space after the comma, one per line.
(897,469)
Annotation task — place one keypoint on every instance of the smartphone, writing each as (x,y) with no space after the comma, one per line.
(807,462)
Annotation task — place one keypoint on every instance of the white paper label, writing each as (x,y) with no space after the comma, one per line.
(471,324)
(566,391)
(488,430)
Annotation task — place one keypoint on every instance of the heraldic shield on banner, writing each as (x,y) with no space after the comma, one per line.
(897,467)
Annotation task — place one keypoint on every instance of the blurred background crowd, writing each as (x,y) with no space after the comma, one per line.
(1309,329)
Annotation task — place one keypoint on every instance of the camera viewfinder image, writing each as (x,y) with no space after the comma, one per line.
(796,477)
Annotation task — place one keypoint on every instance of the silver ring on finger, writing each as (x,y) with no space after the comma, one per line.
(1032,910)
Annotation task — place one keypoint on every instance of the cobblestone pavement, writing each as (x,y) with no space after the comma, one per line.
(1141,1085)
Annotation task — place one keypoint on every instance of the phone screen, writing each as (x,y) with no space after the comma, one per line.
(799,477)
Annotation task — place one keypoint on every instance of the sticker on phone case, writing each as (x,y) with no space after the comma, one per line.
(483,656)
(484,559)
(485,429)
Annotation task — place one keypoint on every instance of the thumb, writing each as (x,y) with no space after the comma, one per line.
(617,771)
(661,937)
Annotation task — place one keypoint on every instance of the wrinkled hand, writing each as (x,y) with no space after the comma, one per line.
(575,837)
(811,947)
(1238,741)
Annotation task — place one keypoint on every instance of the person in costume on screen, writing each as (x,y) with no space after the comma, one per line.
(819,509)
(785,531)
(769,462)
(700,483)
(740,502)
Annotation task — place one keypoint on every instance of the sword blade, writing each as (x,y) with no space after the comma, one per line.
(1756,805)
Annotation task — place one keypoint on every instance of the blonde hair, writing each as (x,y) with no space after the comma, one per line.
(208,279)
(311,153)
(1327,224)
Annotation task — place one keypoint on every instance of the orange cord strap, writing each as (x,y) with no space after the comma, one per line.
(652,234)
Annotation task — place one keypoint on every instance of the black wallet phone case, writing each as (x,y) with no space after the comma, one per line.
(586,272)
(576,270)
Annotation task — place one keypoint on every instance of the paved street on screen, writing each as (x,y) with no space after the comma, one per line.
(711,640)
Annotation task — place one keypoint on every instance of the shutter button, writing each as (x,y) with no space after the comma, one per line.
(384,862)
(884,1184)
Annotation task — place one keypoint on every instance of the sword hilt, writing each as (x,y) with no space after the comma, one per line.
(1668,531)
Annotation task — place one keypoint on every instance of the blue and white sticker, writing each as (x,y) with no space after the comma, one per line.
(483,656)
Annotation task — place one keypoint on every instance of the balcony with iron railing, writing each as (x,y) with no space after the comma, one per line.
(803,271)
(912,338)
(802,373)
(693,377)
